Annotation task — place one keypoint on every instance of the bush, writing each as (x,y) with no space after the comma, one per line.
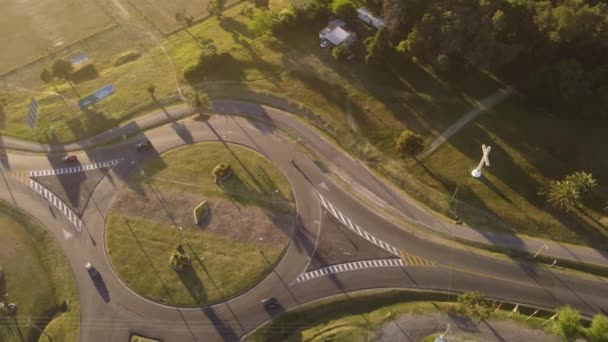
(598,331)
(285,19)
(568,323)
(126,57)
(474,305)
(340,53)
(409,143)
(262,22)
(221,171)
(178,261)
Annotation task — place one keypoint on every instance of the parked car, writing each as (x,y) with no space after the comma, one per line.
(270,303)
(144,145)
(324,43)
(91,269)
(70,158)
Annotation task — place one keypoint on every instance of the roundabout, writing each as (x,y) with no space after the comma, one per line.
(248,223)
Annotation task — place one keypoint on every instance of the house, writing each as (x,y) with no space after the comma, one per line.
(367,17)
(336,34)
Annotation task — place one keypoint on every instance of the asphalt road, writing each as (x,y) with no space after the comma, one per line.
(111,311)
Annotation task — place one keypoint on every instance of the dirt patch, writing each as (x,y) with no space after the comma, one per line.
(235,221)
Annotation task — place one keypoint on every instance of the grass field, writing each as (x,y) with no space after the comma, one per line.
(29,28)
(38,280)
(227,257)
(358,316)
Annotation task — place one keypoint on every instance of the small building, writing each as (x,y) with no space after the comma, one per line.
(367,17)
(336,34)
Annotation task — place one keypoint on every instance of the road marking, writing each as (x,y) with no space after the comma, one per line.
(412,260)
(67,235)
(355,228)
(58,203)
(350,266)
(68,170)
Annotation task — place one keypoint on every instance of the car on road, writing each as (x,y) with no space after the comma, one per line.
(144,145)
(91,269)
(70,158)
(324,43)
(270,303)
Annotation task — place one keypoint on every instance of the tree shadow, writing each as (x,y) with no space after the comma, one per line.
(183,132)
(193,284)
(87,73)
(230,25)
(255,114)
(222,328)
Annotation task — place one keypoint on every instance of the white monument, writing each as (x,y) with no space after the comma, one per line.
(484,160)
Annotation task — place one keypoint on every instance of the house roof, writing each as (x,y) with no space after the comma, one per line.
(337,35)
(366,16)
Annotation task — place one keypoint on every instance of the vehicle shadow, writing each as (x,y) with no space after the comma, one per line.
(101,287)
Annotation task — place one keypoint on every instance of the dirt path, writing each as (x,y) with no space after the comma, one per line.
(483,105)
(417,327)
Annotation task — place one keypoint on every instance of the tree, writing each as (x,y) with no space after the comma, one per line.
(409,143)
(216,8)
(183,19)
(562,195)
(377,47)
(262,22)
(344,8)
(47,77)
(64,70)
(340,52)
(568,323)
(199,102)
(584,181)
(474,305)
(151,88)
(598,331)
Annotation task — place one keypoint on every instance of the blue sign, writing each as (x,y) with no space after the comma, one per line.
(97,96)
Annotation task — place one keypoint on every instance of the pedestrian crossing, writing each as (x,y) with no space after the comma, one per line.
(58,203)
(74,169)
(356,229)
(350,266)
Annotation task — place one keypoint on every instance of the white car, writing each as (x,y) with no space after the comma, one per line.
(91,269)
(324,43)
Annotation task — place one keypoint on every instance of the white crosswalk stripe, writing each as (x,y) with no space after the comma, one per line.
(68,170)
(355,228)
(350,266)
(57,203)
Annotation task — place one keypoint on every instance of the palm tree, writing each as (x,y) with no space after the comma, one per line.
(583,180)
(563,194)
(199,102)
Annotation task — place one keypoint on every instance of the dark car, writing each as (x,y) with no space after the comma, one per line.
(142,146)
(91,269)
(71,158)
(270,303)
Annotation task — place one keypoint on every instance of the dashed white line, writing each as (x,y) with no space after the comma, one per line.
(351,266)
(68,170)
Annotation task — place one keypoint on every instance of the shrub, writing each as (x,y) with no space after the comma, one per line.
(262,22)
(126,57)
(598,331)
(285,19)
(377,47)
(568,323)
(178,261)
(340,53)
(473,304)
(409,143)
(221,171)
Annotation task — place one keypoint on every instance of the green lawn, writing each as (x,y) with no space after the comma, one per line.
(358,316)
(528,149)
(38,280)
(139,247)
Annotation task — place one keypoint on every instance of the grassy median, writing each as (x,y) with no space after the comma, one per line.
(37,279)
(249,225)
